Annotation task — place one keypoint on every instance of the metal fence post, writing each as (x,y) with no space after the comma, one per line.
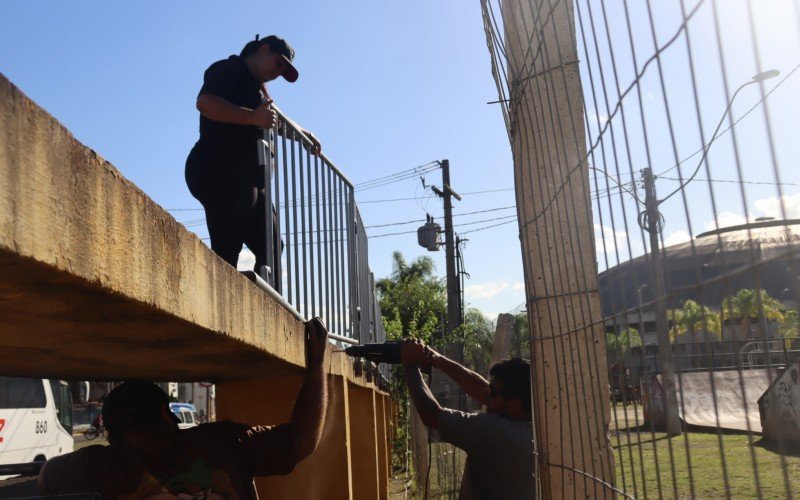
(265,158)
(352,275)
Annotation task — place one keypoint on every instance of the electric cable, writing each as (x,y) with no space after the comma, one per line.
(731,181)
(414,170)
(390,200)
(454,225)
(729,127)
(416,221)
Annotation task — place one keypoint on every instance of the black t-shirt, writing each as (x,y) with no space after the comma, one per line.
(232,80)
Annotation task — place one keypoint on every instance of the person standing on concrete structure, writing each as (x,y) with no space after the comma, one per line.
(149,457)
(222,169)
(499,443)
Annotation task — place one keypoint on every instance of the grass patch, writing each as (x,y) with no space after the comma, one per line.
(729,462)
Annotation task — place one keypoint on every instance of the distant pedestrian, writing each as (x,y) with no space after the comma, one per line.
(222,170)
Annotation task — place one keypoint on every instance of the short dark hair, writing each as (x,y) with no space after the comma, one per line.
(133,404)
(515,374)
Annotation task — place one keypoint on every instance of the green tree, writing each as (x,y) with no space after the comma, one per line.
(790,328)
(520,344)
(413,300)
(692,320)
(618,345)
(749,305)
(477,334)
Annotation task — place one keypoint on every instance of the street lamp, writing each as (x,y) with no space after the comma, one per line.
(766,75)
(759,77)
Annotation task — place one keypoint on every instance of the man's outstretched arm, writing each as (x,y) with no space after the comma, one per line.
(309,410)
(426,405)
(476,387)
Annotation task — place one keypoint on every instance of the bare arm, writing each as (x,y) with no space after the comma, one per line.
(426,405)
(416,352)
(470,382)
(220,109)
(309,409)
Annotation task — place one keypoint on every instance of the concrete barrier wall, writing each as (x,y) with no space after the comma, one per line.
(99,282)
(780,407)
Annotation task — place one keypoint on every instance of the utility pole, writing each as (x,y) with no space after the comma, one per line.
(454,320)
(453,350)
(653,223)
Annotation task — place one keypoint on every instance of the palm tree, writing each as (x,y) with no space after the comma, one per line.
(413,299)
(750,305)
(693,319)
(790,328)
(618,345)
(695,323)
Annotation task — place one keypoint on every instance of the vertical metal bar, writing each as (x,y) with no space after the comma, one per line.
(303,228)
(289,246)
(275,237)
(269,260)
(364,284)
(358,269)
(293,145)
(328,219)
(320,200)
(339,273)
(355,273)
(311,201)
(351,270)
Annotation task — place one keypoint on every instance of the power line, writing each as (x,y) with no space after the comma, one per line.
(489,227)
(456,225)
(470,223)
(462,194)
(724,131)
(196,222)
(371,201)
(427,167)
(410,175)
(619,185)
(730,181)
(454,215)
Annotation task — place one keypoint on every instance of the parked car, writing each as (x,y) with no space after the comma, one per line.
(186,413)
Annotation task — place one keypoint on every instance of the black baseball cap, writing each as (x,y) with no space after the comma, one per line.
(280,46)
(133,402)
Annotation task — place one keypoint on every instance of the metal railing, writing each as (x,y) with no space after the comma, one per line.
(708,355)
(316,250)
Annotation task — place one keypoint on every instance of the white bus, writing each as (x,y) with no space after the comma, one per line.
(35,419)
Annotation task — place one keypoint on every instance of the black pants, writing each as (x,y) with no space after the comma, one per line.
(231,190)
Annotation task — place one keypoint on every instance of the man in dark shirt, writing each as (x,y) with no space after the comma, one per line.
(149,457)
(222,169)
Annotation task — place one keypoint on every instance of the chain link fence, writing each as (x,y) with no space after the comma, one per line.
(659,210)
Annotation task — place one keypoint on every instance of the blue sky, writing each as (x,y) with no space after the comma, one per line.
(387,86)
(773,42)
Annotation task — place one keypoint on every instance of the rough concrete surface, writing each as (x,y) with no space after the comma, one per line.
(99,282)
